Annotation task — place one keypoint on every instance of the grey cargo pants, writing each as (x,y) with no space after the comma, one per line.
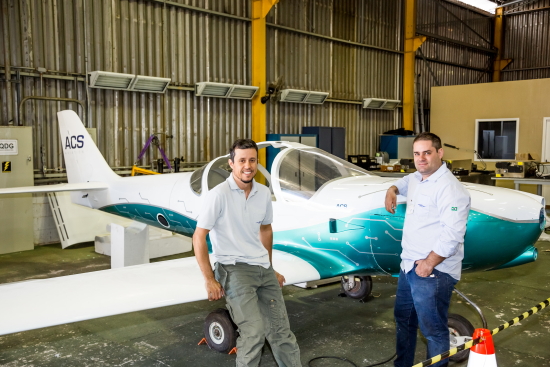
(255,302)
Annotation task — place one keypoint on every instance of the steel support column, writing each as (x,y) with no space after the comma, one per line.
(499,62)
(412,43)
(260,8)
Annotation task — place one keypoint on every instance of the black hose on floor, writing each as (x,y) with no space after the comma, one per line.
(348,361)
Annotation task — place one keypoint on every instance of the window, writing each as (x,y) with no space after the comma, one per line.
(497,139)
(302,172)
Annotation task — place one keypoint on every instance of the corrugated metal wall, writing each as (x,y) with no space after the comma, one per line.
(456,36)
(369,64)
(324,46)
(527,40)
(129,37)
(349,48)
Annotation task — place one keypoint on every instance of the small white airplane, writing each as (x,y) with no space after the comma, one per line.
(329,221)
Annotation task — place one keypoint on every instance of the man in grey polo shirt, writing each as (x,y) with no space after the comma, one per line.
(238,214)
(433,249)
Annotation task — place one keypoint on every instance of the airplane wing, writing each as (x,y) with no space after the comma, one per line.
(84,186)
(40,303)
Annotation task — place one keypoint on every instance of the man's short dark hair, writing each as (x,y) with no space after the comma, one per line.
(241,144)
(436,141)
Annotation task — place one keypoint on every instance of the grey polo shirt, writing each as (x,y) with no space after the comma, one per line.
(234,222)
(437,213)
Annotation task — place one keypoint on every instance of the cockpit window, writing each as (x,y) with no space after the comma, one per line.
(196,179)
(218,173)
(303,172)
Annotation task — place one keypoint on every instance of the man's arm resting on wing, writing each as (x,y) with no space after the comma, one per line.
(266,237)
(391,199)
(214,289)
(400,188)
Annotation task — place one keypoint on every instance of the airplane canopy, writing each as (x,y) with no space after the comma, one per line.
(299,173)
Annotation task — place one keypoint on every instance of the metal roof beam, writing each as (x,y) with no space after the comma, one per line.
(460,43)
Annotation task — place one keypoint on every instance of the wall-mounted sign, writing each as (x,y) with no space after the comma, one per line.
(8,147)
(6,166)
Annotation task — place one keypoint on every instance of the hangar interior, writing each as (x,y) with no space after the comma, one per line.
(167,86)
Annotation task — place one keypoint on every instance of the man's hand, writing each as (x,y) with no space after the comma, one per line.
(214,289)
(391,199)
(280,278)
(423,268)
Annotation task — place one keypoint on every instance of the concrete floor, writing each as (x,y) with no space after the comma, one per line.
(324,323)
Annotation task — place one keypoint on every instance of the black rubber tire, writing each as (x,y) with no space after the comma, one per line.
(459,326)
(220,331)
(362,289)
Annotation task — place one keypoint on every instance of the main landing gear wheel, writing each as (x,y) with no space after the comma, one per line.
(357,287)
(220,331)
(461,331)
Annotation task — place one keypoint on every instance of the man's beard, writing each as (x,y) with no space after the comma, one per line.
(246,182)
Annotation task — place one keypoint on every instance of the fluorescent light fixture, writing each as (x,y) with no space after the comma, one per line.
(391,104)
(150,84)
(380,104)
(243,91)
(223,90)
(207,89)
(107,80)
(303,96)
(316,97)
(293,95)
(131,82)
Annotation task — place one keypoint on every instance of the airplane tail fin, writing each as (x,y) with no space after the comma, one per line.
(83,160)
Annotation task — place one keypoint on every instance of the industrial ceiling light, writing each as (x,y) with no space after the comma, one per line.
(303,96)
(223,90)
(150,84)
(242,91)
(108,80)
(380,104)
(316,97)
(391,104)
(130,82)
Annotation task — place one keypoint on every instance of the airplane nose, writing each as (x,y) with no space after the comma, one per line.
(503,226)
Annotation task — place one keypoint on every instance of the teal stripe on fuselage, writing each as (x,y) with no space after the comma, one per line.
(375,247)
(148,214)
(368,243)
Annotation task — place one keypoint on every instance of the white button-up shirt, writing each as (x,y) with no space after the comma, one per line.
(234,222)
(437,212)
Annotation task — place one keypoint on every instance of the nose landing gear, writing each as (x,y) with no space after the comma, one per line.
(357,287)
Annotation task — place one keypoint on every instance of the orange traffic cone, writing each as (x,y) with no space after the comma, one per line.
(483,354)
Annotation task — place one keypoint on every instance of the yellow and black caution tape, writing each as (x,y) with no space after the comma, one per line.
(473,342)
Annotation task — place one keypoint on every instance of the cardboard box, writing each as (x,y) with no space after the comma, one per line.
(527,157)
(388,168)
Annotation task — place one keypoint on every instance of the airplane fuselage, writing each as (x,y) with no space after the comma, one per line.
(343,230)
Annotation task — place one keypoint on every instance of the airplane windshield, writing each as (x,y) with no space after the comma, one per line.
(304,172)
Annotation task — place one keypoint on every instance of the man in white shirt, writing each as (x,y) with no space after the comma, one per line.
(433,248)
(238,214)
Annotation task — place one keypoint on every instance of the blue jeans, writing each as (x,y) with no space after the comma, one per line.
(422,302)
